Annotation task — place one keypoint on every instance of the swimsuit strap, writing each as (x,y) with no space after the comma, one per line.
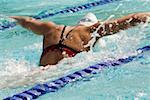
(62,38)
(62,33)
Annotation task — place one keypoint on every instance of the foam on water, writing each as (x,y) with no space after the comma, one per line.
(22,72)
(19,60)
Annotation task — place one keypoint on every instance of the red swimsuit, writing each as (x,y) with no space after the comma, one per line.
(61,47)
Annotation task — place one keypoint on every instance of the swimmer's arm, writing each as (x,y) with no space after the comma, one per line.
(36,26)
(114,26)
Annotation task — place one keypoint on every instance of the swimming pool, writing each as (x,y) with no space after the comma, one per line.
(19,60)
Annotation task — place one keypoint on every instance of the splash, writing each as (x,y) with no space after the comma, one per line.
(21,72)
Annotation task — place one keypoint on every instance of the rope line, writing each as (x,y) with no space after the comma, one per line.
(53,86)
(74,9)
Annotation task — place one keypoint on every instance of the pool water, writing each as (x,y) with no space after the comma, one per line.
(20,52)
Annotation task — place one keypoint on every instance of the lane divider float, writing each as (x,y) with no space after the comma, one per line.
(53,86)
(74,9)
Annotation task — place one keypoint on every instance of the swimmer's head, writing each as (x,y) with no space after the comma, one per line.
(88,20)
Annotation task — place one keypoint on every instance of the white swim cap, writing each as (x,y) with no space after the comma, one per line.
(88,20)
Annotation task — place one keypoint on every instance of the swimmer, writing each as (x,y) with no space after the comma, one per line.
(60,41)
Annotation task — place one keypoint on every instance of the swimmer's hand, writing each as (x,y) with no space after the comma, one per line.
(17,17)
(21,19)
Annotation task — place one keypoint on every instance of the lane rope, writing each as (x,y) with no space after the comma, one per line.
(53,86)
(7,25)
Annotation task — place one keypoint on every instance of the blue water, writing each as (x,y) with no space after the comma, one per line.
(20,52)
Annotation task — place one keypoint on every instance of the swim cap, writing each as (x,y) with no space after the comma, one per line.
(88,20)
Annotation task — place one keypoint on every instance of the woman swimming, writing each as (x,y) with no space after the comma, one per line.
(62,41)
